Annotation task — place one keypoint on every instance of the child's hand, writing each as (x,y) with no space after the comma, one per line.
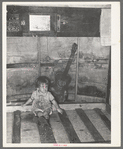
(34,113)
(51,112)
(39,110)
(60,110)
(23,105)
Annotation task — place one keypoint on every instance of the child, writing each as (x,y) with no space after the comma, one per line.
(42,100)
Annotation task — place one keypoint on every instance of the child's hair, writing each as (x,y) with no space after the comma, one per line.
(42,79)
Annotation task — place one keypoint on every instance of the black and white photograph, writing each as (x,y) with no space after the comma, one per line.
(61,74)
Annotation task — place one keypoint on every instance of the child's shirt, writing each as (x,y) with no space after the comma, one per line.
(41,101)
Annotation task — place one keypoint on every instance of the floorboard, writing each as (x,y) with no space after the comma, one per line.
(73,126)
(98,123)
(58,129)
(45,131)
(9,127)
(94,132)
(16,136)
(107,114)
(80,128)
(69,128)
(104,118)
(29,129)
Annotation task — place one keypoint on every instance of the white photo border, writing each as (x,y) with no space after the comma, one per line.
(115,71)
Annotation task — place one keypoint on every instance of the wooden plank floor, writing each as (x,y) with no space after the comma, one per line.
(29,129)
(74,126)
(9,125)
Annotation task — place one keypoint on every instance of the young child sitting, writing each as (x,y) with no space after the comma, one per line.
(42,100)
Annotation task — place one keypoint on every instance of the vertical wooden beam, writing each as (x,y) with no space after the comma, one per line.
(16,138)
(109,79)
(108,108)
(47,46)
(77,60)
(58,23)
(39,54)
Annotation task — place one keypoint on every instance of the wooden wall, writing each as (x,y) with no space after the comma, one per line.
(20,79)
(93,67)
(26,54)
(23,62)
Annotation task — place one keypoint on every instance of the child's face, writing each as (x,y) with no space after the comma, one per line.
(43,87)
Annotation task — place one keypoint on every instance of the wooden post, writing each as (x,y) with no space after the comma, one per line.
(47,46)
(109,79)
(39,54)
(77,60)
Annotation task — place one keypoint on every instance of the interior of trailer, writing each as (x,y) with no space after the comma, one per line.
(40,42)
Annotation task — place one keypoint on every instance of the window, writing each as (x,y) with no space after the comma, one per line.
(39,22)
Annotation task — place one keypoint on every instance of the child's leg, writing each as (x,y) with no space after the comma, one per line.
(35,119)
(39,117)
(39,114)
(45,117)
(44,114)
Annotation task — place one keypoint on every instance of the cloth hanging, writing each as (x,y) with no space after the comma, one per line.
(105,27)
